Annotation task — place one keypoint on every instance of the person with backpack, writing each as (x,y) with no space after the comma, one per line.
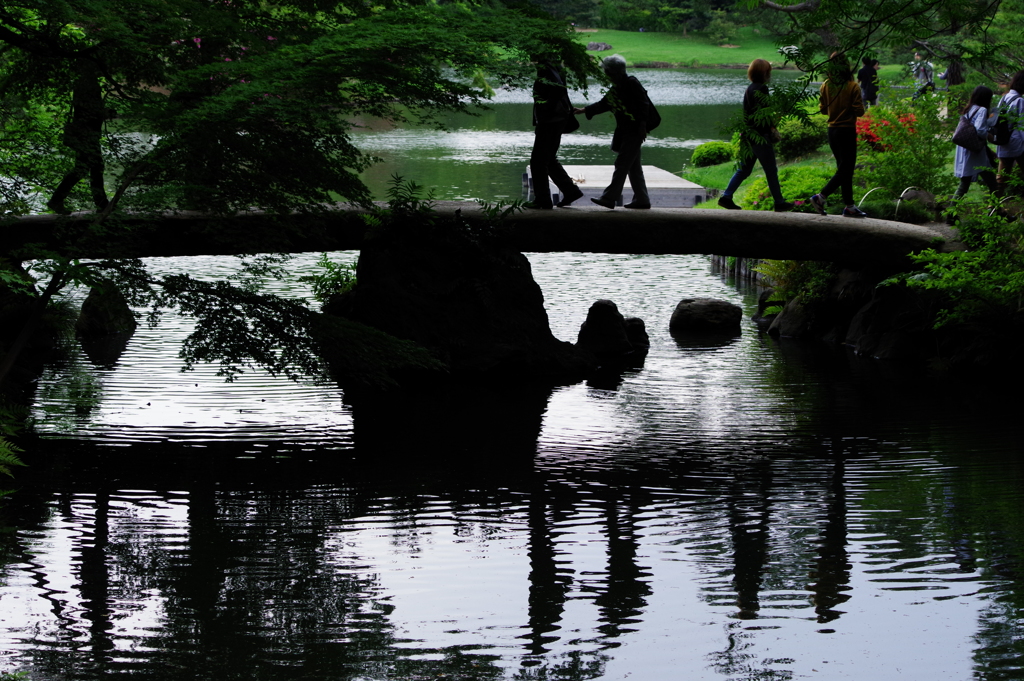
(758,139)
(634,118)
(924,74)
(1008,134)
(970,164)
(840,99)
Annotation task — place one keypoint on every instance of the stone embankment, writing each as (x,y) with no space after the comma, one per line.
(886,322)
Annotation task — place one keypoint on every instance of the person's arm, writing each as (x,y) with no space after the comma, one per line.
(980,120)
(594,109)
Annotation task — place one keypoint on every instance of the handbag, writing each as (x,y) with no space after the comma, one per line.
(966,135)
(774,137)
(653,117)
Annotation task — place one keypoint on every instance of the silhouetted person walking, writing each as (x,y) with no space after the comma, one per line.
(552,115)
(757,140)
(840,99)
(627,99)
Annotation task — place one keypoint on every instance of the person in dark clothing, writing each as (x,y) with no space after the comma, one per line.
(868,77)
(627,100)
(757,142)
(552,116)
(839,98)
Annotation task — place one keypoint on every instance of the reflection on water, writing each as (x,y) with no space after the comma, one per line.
(484,156)
(740,510)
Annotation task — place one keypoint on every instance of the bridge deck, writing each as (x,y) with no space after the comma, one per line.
(587,228)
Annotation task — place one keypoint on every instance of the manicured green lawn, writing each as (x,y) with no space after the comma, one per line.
(691,50)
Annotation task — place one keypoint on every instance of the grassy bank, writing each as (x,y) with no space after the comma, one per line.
(690,50)
(718,176)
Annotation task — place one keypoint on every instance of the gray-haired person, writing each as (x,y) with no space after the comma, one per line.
(627,100)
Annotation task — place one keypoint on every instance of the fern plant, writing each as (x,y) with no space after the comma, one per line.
(334,278)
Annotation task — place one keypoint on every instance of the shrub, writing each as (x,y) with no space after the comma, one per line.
(712,153)
(984,283)
(905,145)
(798,184)
(808,279)
(332,279)
(907,211)
(721,30)
(800,139)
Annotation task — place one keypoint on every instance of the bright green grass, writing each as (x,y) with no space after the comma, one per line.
(692,50)
(718,176)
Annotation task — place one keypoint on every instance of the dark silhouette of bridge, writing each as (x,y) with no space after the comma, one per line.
(753,234)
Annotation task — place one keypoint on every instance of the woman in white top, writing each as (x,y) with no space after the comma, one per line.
(971,164)
(1010,153)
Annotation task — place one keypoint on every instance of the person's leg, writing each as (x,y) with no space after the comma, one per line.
(989,179)
(965,185)
(629,150)
(1004,165)
(546,139)
(843,143)
(765,153)
(835,144)
(638,183)
(555,170)
(846,165)
(742,173)
(1015,175)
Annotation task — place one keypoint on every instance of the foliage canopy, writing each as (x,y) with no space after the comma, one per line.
(188,104)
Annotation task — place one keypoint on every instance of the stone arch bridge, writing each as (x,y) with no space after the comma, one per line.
(754,234)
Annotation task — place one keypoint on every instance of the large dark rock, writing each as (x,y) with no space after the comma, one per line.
(104,312)
(604,331)
(612,338)
(469,300)
(105,325)
(636,333)
(705,315)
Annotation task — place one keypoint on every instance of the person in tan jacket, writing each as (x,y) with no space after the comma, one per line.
(840,99)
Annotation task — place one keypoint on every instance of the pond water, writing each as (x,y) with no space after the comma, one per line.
(743,509)
(739,510)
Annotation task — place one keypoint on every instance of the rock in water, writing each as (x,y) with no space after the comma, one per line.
(105,325)
(615,341)
(465,297)
(705,315)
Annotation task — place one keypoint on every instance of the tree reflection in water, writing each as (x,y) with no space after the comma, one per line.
(281,564)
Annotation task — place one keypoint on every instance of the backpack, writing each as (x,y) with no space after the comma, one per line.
(653,117)
(1004,125)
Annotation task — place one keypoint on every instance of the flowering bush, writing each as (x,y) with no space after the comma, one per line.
(905,144)
(877,131)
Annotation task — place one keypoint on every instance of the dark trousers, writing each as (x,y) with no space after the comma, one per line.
(765,153)
(987,176)
(628,164)
(544,164)
(843,143)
